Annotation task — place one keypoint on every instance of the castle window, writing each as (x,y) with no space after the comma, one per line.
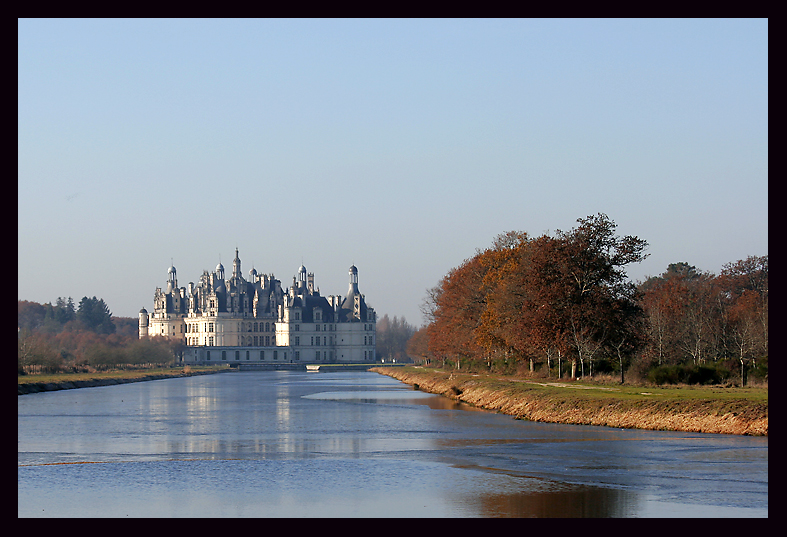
(317,356)
(297,340)
(223,355)
(237,355)
(275,355)
(210,327)
(297,328)
(210,341)
(267,327)
(267,341)
(297,355)
(208,355)
(262,355)
(255,341)
(247,355)
(255,327)
(317,328)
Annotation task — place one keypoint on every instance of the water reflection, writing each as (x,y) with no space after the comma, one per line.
(355,444)
(393,397)
(566,502)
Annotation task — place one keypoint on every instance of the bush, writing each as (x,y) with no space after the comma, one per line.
(760,370)
(689,374)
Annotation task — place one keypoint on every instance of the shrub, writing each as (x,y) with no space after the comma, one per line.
(689,374)
(760,370)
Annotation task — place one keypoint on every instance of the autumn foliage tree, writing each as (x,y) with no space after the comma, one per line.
(459,302)
(524,298)
(698,318)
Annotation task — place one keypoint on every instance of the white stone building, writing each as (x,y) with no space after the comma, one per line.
(256,321)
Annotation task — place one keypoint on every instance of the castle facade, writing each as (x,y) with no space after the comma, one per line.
(254,320)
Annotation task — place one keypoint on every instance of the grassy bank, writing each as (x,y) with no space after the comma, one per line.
(65,381)
(691,409)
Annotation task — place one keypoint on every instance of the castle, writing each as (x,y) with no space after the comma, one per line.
(256,321)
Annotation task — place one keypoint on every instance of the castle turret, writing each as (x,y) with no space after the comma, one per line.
(172,279)
(236,265)
(353,282)
(143,323)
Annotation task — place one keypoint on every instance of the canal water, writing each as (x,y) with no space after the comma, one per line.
(356,444)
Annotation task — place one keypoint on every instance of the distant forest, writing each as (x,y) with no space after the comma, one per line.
(562,306)
(67,337)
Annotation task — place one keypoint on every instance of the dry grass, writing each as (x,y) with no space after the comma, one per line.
(117,374)
(691,409)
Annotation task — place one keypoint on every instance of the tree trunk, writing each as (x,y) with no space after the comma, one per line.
(573,368)
(559,366)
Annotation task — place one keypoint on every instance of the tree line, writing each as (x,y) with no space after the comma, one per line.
(68,337)
(392,336)
(562,305)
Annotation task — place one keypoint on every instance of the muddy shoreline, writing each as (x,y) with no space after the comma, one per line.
(571,407)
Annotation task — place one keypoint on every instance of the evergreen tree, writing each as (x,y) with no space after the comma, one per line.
(95,315)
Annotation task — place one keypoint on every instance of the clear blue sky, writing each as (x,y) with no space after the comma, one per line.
(400,146)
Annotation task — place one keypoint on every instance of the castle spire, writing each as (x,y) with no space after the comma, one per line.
(236,264)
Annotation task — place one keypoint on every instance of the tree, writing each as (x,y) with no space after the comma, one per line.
(744,285)
(94,314)
(458,304)
(497,331)
(583,284)
(392,337)
(418,345)
(30,315)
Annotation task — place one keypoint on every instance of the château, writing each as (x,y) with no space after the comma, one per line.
(255,320)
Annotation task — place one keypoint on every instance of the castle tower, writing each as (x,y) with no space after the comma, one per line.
(143,323)
(353,281)
(172,279)
(301,277)
(236,265)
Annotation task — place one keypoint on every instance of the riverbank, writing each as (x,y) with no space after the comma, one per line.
(702,409)
(68,381)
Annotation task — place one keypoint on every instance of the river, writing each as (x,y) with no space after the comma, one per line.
(356,444)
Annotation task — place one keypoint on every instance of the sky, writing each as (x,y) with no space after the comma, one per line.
(399,146)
